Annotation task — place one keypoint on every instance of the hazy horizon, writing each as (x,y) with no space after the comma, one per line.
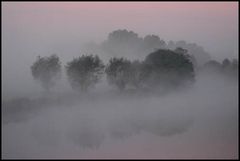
(181,110)
(46,25)
(30,29)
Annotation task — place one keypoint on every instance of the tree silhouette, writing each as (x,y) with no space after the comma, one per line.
(119,72)
(168,68)
(191,57)
(124,43)
(213,66)
(84,72)
(235,64)
(196,51)
(137,74)
(230,68)
(47,70)
(152,43)
(235,68)
(226,63)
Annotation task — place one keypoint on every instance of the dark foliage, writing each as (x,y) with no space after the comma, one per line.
(84,72)
(47,70)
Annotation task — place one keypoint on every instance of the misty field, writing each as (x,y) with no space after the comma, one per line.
(200,122)
(120,80)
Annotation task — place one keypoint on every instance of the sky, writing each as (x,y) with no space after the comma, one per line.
(43,28)
(210,24)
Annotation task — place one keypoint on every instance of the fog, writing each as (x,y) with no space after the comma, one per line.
(32,29)
(201,122)
(198,122)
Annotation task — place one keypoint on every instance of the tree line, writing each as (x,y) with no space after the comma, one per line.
(227,67)
(162,68)
(129,43)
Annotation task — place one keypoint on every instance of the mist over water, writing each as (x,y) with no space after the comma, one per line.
(201,122)
(196,122)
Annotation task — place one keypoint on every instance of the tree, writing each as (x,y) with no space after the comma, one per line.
(152,43)
(230,68)
(137,74)
(234,68)
(180,50)
(200,55)
(235,64)
(84,72)
(213,66)
(47,70)
(226,66)
(226,63)
(123,36)
(124,43)
(192,58)
(119,72)
(168,69)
